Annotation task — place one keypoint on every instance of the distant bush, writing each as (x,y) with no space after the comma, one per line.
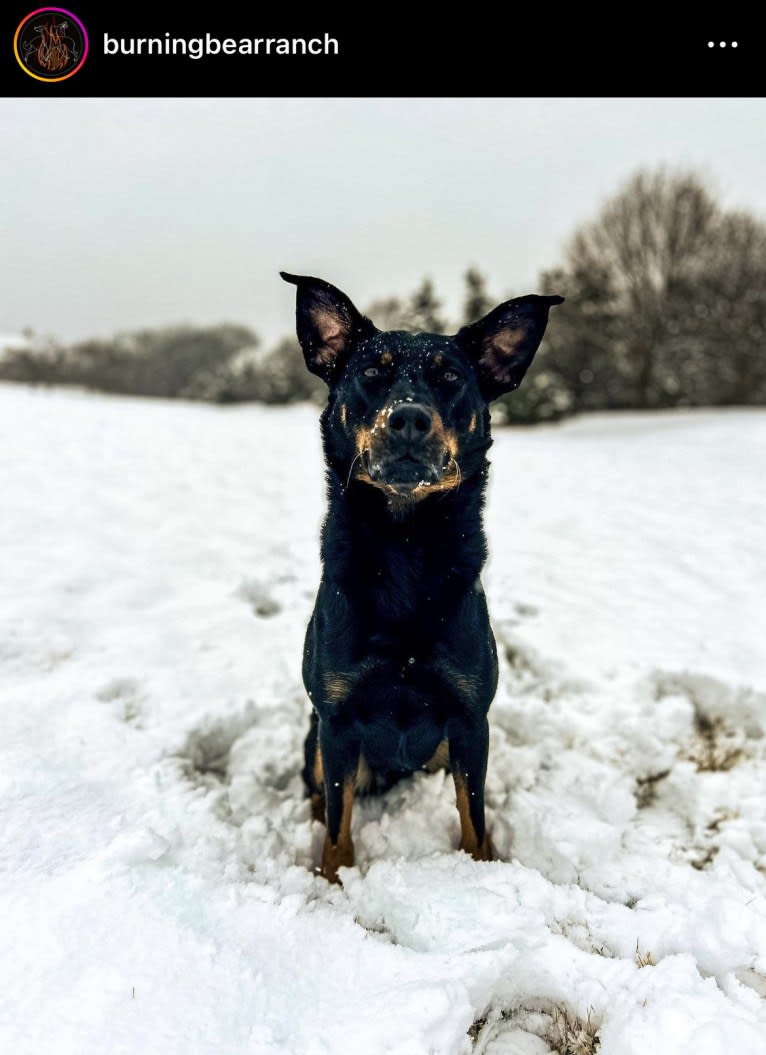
(37,361)
(543,396)
(254,375)
(161,362)
(217,364)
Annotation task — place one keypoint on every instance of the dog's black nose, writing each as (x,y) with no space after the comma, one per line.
(411,421)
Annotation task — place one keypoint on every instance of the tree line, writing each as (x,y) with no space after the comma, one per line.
(665,307)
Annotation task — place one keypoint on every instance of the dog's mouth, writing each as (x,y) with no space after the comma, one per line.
(407,474)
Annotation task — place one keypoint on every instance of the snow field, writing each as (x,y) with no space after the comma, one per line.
(159,565)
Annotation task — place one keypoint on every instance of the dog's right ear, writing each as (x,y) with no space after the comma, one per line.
(328,325)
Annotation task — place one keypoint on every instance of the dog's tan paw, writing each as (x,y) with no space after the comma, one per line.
(481,851)
(335,856)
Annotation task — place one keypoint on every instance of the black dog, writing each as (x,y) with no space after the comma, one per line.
(400,661)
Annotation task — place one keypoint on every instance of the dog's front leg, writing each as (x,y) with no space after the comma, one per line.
(340,760)
(468,748)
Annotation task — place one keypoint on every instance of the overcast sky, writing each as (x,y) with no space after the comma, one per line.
(130,212)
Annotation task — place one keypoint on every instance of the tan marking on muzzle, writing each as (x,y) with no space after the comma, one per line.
(473,422)
(381,485)
(363,438)
(448,482)
(447,436)
(401,501)
(365,433)
(343,415)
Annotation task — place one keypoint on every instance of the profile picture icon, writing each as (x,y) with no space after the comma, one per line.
(50,44)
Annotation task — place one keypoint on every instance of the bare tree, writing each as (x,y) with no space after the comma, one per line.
(648,242)
(730,301)
(666,300)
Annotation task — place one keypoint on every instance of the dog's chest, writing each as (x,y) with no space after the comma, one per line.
(405,585)
(402,714)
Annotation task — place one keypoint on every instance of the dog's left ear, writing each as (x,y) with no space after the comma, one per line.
(503,343)
(328,325)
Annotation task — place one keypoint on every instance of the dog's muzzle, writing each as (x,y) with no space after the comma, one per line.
(407,451)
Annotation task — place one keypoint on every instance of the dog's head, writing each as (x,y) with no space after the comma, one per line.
(408,413)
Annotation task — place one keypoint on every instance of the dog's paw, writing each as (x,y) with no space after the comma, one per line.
(335,856)
(479,851)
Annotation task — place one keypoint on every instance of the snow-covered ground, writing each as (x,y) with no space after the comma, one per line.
(158,568)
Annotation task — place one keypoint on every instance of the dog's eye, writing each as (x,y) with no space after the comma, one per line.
(450,375)
(371,371)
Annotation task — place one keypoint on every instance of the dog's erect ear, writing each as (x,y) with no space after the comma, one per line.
(328,325)
(503,343)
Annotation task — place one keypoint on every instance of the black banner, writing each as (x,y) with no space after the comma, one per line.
(112,49)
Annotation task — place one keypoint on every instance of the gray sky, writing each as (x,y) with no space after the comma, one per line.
(121,213)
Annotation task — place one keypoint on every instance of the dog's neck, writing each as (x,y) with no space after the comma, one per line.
(438,538)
